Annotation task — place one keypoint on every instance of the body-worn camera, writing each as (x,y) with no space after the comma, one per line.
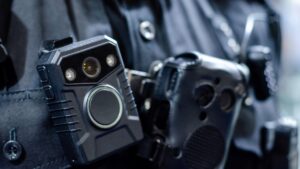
(89,99)
(195,105)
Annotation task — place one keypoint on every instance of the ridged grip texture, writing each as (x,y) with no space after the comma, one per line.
(128,96)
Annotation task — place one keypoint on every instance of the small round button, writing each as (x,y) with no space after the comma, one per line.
(147,30)
(12,150)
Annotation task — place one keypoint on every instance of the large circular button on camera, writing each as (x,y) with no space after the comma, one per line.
(104,106)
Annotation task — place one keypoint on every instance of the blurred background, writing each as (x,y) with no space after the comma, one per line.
(289,85)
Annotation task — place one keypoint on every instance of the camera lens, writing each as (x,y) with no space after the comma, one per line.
(91,67)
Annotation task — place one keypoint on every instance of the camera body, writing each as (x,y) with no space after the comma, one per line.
(204,95)
(90,101)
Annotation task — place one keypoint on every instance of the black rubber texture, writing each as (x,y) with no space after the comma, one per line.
(204,149)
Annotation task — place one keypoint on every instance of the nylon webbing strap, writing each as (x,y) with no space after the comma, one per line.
(223,31)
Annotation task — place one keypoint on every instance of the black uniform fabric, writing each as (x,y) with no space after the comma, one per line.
(180,26)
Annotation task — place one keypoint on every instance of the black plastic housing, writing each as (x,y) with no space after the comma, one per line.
(204,94)
(279,144)
(82,140)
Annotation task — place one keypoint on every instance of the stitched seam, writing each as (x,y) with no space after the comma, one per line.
(21,91)
(23,95)
(22,100)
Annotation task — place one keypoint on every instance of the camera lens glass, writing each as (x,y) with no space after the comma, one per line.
(91,67)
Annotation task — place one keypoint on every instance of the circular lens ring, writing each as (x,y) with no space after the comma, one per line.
(89,101)
(227,100)
(97,67)
(204,94)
